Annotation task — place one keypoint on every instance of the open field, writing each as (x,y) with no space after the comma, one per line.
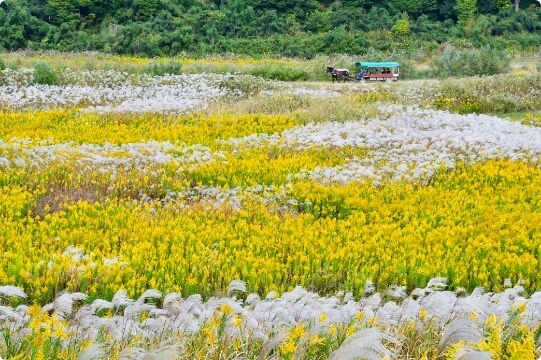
(218,216)
(415,65)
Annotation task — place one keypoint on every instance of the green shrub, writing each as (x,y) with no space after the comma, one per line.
(484,61)
(43,74)
(171,67)
(280,73)
(2,64)
(407,71)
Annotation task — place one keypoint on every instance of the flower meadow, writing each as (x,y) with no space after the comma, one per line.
(222,216)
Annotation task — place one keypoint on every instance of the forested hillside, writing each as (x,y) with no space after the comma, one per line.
(266,27)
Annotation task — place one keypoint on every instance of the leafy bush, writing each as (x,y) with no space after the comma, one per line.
(407,71)
(171,67)
(280,73)
(43,74)
(484,61)
(2,64)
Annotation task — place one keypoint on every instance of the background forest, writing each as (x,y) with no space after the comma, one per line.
(300,28)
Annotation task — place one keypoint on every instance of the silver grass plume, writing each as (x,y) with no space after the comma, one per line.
(437,283)
(171,299)
(163,353)
(301,345)
(8,313)
(8,291)
(457,330)
(369,288)
(132,311)
(270,344)
(132,354)
(236,286)
(63,304)
(93,352)
(148,294)
(365,344)
(252,299)
(419,293)
(348,297)
(396,292)
(466,353)
(100,304)
(121,299)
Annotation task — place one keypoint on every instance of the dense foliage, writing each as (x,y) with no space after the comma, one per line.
(256,27)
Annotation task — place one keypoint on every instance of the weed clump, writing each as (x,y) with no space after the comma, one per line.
(44,75)
(171,67)
(460,63)
(280,73)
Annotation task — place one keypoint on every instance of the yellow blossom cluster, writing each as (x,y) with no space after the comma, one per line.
(67,226)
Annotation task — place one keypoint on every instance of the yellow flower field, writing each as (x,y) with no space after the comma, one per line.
(335,220)
(476,225)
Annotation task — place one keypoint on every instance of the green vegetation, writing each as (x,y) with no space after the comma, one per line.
(303,28)
(483,61)
(43,74)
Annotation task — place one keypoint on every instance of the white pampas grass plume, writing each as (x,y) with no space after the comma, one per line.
(8,313)
(171,300)
(46,308)
(459,330)
(396,292)
(100,304)
(301,345)
(11,291)
(132,354)
(437,283)
(236,285)
(149,294)
(369,288)
(163,353)
(460,291)
(252,299)
(93,352)
(364,344)
(466,353)
(78,296)
(419,293)
(121,299)
(63,304)
(270,345)
(136,309)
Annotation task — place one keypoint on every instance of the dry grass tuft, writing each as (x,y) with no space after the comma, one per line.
(59,198)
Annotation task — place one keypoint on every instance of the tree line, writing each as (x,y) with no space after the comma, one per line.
(300,28)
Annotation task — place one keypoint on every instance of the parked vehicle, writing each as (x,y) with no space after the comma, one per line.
(377,71)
